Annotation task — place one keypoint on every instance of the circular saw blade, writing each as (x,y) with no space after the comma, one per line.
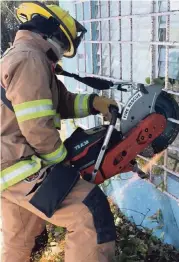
(167,106)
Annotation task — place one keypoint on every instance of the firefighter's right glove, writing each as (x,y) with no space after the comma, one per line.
(101,105)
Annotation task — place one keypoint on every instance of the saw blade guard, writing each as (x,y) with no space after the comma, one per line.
(142,104)
(168,107)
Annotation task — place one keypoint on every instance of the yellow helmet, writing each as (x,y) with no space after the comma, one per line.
(67,24)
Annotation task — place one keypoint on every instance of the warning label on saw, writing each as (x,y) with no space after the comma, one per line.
(129,105)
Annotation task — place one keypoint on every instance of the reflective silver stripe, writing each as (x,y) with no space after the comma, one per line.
(17,172)
(33,109)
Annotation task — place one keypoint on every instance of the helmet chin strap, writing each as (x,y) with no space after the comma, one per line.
(59,51)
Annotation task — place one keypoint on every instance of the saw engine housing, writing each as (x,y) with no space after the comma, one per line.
(84,147)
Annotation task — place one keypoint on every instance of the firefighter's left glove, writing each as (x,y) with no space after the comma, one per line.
(101,105)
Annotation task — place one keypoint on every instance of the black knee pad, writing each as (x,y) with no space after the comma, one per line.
(97,203)
(54,189)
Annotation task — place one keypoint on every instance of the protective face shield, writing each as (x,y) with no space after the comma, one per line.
(69,33)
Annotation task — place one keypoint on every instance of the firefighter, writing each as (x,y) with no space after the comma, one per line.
(37,182)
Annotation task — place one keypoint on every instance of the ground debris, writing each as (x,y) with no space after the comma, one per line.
(132,243)
(135,244)
(52,250)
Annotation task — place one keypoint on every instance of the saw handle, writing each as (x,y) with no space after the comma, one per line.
(114,110)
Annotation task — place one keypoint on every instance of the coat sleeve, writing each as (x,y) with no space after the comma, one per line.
(73,105)
(31,97)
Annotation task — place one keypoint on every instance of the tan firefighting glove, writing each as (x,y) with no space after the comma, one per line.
(101,104)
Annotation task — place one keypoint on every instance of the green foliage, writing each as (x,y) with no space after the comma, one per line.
(157,217)
(141,162)
(160,160)
(155,170)
(147,80)
(159,80)
(9,23)
(60,230)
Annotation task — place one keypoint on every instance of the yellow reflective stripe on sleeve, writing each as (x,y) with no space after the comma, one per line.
(81,105)
(57,121)
(19,172)
(55,157)
(34,109)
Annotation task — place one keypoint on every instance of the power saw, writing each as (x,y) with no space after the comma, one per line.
(145,129)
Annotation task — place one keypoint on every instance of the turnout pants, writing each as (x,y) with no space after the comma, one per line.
(90,236)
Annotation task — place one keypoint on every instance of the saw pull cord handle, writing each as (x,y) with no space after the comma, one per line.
(114,112)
